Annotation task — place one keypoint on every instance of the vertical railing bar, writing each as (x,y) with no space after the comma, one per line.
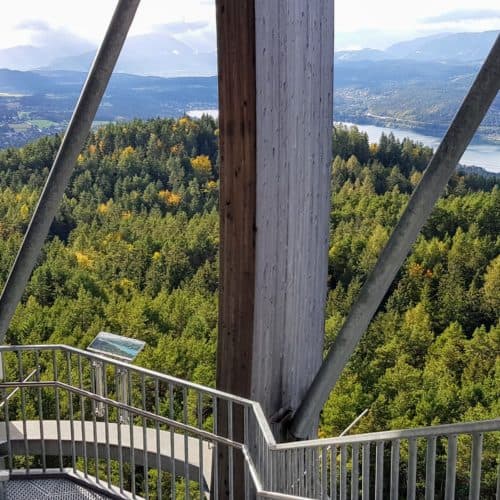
(316,471)
(172,434)
(231,456)
(186,439)
(412,469)
(498,478)
(355,472)
(82,418)
(106,423)
(343,472)
(295,471)
(7,423)
(268,461)
(324,471)
(394,484)
(145,438)
(314,474)
(200,441)
(58,410)
(40,412)
(272,473)
(306,472)
(289,478)
(215,457)
(379,471)
(365,472)
(94,425)
(283,471)
(119,432)
(451,464)
(301,471)
(23,411)
(131,430)
(274,458)
(70,412)
(333,473)
(430,468)
(246,441)
(475,466)
(158,444)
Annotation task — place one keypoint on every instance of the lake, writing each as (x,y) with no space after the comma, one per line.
(480,155)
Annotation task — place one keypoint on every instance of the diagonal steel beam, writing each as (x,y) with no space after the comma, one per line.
(436,176)
(60,173)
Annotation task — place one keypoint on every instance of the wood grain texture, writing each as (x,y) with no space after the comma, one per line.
(294,61)
(237,122)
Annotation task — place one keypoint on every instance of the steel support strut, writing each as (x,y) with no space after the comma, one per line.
(60,173)
(436,176)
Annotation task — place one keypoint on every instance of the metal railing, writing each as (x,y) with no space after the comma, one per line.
(162,437)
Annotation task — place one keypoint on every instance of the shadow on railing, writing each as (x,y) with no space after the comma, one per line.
(133,432)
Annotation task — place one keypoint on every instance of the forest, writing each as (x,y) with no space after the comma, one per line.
(134,250)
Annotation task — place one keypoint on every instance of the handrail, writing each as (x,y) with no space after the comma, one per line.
(127,366)
(410,433)
(122,406)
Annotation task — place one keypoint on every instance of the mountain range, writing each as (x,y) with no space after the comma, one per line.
(416,85)
(163,53)
(443,47)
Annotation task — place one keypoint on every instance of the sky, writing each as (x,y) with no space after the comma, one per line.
(358,23)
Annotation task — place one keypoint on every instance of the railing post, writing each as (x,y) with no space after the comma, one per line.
(365,471)
(379,471)
(395,470)
(430,468)
(475,466)
(412,469)
(451,464)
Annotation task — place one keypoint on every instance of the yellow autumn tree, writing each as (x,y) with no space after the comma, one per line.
(126,153)
(83,259)
(202,164)
(169,197)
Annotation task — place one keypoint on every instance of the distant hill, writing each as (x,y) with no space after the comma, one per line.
(36,103)
(445,47)
(157,54)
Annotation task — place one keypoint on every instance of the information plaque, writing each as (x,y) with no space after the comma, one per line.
(116,346)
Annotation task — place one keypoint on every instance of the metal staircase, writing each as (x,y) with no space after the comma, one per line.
(170,444)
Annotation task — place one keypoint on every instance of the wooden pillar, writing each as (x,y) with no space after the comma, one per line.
(275,101)
(294,53)
(237,127)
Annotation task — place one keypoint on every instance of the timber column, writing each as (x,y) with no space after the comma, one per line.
(276,114)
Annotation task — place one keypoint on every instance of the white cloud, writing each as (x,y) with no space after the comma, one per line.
(361,22)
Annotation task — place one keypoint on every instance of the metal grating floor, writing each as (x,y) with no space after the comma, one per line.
(44,489)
